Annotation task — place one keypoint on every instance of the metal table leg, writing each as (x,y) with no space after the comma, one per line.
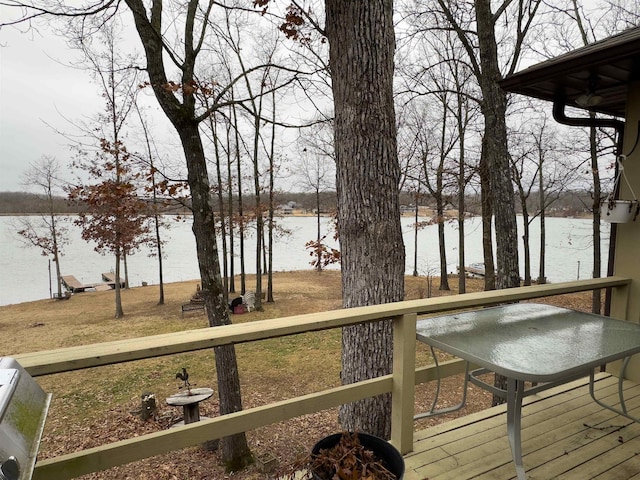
(623,406)
(433,411)
(515,392)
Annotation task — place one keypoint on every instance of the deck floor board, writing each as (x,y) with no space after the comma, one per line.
(565,435)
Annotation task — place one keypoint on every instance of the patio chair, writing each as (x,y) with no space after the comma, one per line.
(249,300)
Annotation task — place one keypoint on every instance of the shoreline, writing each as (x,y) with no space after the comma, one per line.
(449,215)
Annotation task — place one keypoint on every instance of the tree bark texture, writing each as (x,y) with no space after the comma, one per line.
(362,44)
(487,226)
(235,450)
(596,298)
(462,285)
(444,277)
(495,151)
(119,311)
(542,276)
(496,159)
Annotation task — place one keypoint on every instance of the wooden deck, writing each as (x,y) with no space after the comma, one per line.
(565,435)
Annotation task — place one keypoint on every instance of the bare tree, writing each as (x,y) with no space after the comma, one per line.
(180,107)
(464,113)
(433,146)
(112,215)
(45,232)
(171,65)
(583,29)
(492,51)
(317,173)
(361,41)
(271,155)
(156,204)
(433,66)
(540,173)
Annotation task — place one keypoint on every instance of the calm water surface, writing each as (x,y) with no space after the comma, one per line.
(24,273)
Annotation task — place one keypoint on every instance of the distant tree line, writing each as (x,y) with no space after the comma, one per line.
(570,203)
(23,203)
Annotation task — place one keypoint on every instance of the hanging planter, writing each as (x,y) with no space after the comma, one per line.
(620,211)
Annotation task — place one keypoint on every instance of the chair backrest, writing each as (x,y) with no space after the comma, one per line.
(249,299)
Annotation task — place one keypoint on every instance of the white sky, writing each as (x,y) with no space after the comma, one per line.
(36,89)
(39,88)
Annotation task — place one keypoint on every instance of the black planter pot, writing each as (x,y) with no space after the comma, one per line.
(383,450)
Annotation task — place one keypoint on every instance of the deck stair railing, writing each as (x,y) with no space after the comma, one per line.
(401,383)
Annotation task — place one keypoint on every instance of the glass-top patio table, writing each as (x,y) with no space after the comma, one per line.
(529,342)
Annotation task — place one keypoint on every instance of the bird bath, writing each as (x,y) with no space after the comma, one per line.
(189,401)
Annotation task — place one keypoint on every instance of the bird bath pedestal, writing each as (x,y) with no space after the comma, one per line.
(189,401)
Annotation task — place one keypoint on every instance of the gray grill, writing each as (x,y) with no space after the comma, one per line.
(23,411)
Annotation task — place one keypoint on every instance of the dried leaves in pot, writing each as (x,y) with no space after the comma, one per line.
(348,460)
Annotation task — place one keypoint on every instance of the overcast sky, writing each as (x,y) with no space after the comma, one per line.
(39,89)
(36,89)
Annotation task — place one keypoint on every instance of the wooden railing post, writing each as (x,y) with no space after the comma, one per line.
(403,390)
(620,302)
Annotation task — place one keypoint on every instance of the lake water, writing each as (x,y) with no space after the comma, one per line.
(24,273)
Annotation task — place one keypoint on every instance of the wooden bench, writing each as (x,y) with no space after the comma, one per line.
(190,307)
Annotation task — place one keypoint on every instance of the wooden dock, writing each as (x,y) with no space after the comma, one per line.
(474,270)
(110,279)
(74,285)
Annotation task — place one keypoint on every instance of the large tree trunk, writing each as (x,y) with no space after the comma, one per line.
(362,44)
(596,299)
(487,219)
(496,157)
(444,278)
(542,276)
(494,108)
(235,451)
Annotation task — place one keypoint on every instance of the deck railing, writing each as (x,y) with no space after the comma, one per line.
(401,383)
